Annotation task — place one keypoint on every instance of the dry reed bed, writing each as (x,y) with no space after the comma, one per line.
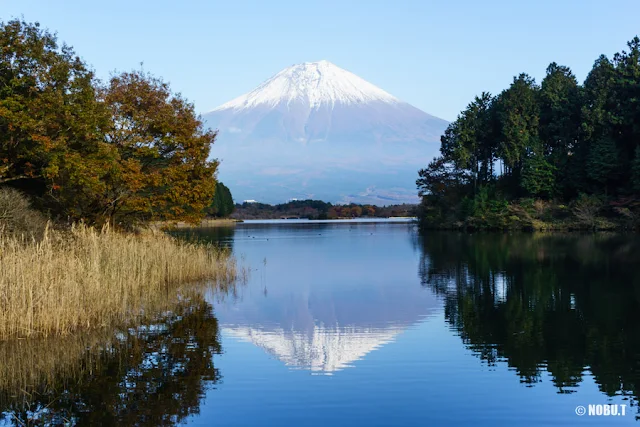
(85,278)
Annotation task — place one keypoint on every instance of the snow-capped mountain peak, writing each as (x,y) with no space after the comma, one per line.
(312,83)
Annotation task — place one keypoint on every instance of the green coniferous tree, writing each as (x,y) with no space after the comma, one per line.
(518,116)
(222,204)
(626,107)
(560,122)
(603,164)
(538,174)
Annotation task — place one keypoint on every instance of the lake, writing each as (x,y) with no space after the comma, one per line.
(346,323)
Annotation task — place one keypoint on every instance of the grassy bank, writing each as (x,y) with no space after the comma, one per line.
(587,213)
(84,278)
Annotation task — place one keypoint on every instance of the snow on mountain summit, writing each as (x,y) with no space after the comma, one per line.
(312,83)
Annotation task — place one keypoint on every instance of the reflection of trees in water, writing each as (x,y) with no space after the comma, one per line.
(560,303)
(153,375)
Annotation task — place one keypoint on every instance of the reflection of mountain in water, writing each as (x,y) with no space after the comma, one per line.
(322,350)
(330,294)
(326,329)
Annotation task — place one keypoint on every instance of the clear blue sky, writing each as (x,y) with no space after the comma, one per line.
(435,55)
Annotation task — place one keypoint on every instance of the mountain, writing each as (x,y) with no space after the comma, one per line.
(315,130)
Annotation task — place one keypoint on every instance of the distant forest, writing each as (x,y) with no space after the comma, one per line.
(317,209)
(553,155)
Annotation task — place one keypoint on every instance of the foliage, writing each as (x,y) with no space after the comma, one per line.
(164,172)
(551,141)
(635,167)
(602,163)
(518,117)
(468,142)
(126,151)
(538,174)
(560,119)
(222,205)
(51,120)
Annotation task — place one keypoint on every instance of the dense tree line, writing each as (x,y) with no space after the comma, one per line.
(557,140)
(317,209)
(121,151)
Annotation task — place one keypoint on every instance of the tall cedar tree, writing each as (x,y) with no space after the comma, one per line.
(519,115)
(626,92)
(222,205)
(468,142)
(560,123)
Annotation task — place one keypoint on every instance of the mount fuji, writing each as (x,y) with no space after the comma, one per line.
(317,131)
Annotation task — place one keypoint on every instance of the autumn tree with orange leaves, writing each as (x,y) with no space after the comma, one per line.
(123,152)
(163,171)
(48,109)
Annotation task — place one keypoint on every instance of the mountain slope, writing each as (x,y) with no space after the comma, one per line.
(315,119)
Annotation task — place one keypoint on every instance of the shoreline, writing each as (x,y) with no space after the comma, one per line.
(167,226)
(556,228)
(172,225)
(528,215)
(400,220)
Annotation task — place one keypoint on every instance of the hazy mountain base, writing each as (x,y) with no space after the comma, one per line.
(338,172)
(300,122)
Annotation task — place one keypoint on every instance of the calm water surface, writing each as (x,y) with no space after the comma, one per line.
(370,323)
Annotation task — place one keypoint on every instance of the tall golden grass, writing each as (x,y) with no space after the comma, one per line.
(85,278)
